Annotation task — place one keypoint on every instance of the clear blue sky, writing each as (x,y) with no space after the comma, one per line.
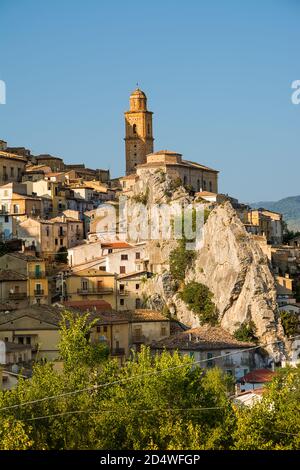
(217,75)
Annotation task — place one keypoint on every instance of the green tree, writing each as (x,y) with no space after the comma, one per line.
(75,346)
(199,299)
(62,255)
(273,423)
(246,332)
(289,322)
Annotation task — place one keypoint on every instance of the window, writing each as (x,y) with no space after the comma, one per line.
(121,301)
(137,303)
(210,362)
(122,269)
(102,268)
(16,208)
(134,128)
(210,186)
(163,331)
(56,241)
(61,231)
(198,185)
(110,250)
(122,287)
(38,288)
(204,185)
(20,340)
(138,255)
(149,129)
(6,219)
(12,172)
(98,329)
(61,241)
(137,286)
(47,231)
(185,180)
(124,257)
(84,285)
(28,340)
(105,329)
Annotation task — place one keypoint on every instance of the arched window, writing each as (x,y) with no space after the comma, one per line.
(210,186)
(134,128)
(204,185)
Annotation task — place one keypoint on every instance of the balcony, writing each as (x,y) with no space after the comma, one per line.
(17,295)
(95,291)
(117,352)
(37,274)
(39,293)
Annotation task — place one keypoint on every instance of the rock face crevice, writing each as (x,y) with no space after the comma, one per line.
(233,266)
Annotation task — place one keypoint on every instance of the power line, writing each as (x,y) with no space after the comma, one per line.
(128,379)
(155,410)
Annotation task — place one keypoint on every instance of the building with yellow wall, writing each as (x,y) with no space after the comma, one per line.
(91,284)
(34,270)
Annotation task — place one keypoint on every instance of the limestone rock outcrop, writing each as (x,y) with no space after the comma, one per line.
(233,266)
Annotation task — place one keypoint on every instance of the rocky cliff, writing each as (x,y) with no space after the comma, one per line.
(233,266)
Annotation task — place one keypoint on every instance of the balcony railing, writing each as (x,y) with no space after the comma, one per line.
(17,295)
(37,275)
(39,292)
(95,291)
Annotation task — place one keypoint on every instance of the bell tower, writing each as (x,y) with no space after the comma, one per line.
(138,131)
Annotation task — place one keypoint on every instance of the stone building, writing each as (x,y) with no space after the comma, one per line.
(12,167)
(199,177)
(138,130)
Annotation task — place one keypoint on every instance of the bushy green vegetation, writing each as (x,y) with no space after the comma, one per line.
(180,260)
(62,255)
(246,332)
(289,322)
(157,402)
(199,299)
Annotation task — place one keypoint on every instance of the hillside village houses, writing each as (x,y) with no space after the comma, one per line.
(74,252)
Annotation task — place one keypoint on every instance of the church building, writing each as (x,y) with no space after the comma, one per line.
(140,158)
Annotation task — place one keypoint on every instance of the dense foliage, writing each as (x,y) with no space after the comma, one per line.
(290,322)
(160,402)
(199,299)
(180,260)
(246,332)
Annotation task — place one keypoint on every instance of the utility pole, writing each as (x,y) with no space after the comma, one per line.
(62,286)
(116,291)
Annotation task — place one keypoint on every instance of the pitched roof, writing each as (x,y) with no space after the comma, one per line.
(9,275)
(258,376)
(202,338)
(85,305)
(116,245)
(24,256)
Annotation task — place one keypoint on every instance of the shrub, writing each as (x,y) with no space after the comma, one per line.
(246,332)
(289,322)
(199,299)
(180,259)
(62,255)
